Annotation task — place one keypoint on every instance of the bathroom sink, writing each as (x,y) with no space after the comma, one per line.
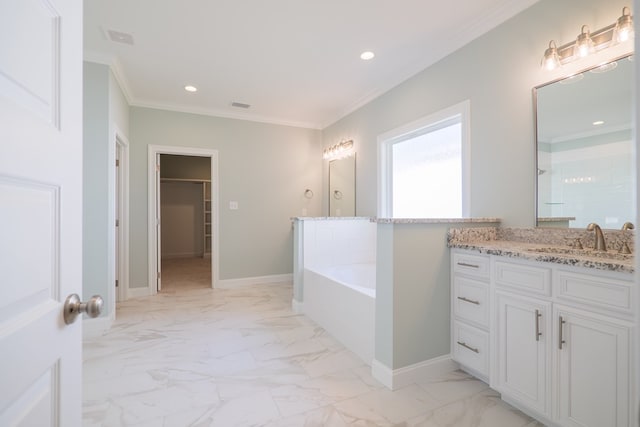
(590,253)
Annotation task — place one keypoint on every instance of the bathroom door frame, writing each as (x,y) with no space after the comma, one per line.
(153,189)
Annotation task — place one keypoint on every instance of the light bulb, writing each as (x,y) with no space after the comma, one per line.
(551,59)
(584,44)
(624,26)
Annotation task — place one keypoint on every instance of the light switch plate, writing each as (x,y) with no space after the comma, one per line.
(233,205)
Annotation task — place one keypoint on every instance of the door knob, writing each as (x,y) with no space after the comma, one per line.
(73,307)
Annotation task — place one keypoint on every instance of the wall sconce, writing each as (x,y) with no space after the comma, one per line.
(338,151)
(589,42)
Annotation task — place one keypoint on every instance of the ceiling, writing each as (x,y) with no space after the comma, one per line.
(296,62)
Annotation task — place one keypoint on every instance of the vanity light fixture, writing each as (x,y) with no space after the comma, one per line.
(624,26)
(589,42)
(551,59)
(584,44)
(339,150)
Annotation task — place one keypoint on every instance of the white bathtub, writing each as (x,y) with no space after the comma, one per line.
(341,299)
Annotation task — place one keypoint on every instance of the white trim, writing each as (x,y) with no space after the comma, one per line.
(153,152)
(123,228)
(117,139)
(387,139)
(297,306)
(92,328)
(137,292)
(258,280)
(401,377)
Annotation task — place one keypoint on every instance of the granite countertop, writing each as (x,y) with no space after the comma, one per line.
(612,261)
(436,220)
(544,248)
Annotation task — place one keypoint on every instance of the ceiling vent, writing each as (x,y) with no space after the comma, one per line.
(240,105)
(120,37)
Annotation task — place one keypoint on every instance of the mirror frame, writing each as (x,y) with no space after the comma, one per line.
(535,122)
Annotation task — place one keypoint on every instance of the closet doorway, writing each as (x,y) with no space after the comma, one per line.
(183,230)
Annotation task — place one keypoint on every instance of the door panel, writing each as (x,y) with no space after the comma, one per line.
(593,370)
(41,211)
(523,361)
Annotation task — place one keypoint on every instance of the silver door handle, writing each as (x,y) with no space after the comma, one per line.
(560,340)
(538,333)
(465,345)
(464,264)
(469,300)
(73,307)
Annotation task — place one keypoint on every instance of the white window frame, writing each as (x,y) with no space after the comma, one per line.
(417,127)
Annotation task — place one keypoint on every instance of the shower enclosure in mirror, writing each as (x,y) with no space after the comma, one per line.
(342,186)
(584,136)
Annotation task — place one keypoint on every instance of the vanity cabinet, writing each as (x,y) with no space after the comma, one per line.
(592,369)
(523,342)
(470,312)
(560,339)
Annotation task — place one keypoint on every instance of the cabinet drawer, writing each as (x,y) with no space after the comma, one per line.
(602,292)
(471,348)
(522,277)
(474,265)
(471,300)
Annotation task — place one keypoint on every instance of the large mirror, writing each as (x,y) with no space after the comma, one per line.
(585,148)
(342,186)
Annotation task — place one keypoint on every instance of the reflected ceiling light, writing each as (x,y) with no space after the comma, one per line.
(190,88)
(551,59)
(624,26)
(584,43)
(598,122)
(589,42)
(367,55)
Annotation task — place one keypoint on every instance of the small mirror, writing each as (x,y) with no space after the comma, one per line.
(585,148)
(342,186)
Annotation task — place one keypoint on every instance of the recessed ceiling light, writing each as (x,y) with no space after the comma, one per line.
(598,123)
(367,55)
(190,88)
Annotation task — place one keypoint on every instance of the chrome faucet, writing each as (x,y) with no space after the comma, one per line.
(600,243)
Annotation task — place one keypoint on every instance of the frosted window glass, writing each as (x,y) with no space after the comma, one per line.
(427,174)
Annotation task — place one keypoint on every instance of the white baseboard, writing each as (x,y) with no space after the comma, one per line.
(245,281)
(394,379)
(297,306)
(138,292)
(92,328)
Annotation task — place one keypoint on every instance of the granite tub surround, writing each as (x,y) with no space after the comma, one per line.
(437,220)
(555,245)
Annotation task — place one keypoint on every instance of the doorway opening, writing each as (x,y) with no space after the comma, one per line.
(183,230)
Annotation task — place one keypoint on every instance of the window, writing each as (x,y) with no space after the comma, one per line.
(424,168)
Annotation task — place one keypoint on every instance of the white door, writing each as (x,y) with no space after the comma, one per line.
(524,362)
(593,367)
(40,211)
(158,227)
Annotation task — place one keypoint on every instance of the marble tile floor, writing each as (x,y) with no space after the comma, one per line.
(241,357)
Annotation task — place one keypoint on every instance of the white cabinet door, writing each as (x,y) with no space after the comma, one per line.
(524,363)
(40,211)
(592,369)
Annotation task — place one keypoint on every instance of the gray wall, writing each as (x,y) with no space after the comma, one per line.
(496,73)
(105,109)
(95,185)
(265,168)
